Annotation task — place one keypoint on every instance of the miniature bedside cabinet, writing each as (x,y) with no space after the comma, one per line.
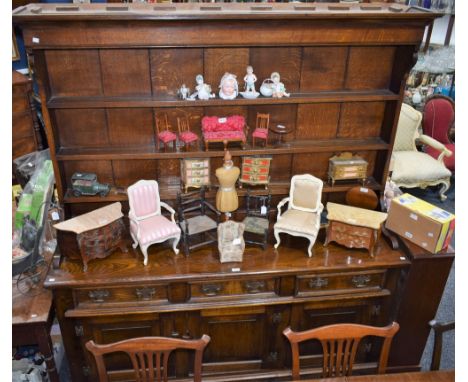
(354,227)
(195,173)
(255,171)
(346,166)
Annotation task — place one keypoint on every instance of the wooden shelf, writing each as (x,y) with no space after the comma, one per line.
(145,101)
(170,186)
(150,152)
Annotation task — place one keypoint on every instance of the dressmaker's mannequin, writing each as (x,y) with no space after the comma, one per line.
(226,198)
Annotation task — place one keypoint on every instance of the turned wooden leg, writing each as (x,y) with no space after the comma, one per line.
(253,141)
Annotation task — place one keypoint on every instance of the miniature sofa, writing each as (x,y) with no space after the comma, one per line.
(229,129)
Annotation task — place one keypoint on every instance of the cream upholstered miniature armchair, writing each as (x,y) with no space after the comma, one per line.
(413,168)
(147,225)
(302,217)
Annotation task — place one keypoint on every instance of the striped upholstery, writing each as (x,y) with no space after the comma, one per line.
(144,199)
(155,229)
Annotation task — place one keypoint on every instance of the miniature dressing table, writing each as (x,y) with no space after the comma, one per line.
(354,227)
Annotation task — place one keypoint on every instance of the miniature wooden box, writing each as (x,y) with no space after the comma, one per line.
(255,170)
(195,173)
(346,166)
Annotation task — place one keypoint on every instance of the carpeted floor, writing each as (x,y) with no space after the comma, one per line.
(446,311)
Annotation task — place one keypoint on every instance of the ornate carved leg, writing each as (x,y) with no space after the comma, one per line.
(144,250)
(309,248)
(443,190)
(174,245)
(277,237)
(135,241)
(327,237)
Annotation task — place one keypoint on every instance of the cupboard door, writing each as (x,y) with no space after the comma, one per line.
(238,338)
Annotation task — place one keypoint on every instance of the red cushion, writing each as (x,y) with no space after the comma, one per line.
(232,123)
(167,136)
(260,133)
(234,135)
(450,161)
(438,118)
(188,136)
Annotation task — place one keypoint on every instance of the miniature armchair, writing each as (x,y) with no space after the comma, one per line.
(163,132)
(439,117)
(412,168)
(302,217)
(147,225)
(185,135)
(261,128)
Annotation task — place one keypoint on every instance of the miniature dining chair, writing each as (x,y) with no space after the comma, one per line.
(185,135)
(261,128)
(149,356)
(302,217)
(163,132)
(147,225)
(340,343)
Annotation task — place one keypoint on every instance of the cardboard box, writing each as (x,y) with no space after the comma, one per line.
(420,222)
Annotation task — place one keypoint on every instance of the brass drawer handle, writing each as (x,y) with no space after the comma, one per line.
(318,282)
(145,294)
(211,289)
(361,281)
(99,295)
(254,286)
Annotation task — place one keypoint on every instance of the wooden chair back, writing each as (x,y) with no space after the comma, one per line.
(161,122)
(263,121)
(183,124)
(255,203)
(149,356)
(439,330)
(340,343)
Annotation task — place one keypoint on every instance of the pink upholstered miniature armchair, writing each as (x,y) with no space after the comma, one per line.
(147,225)
(438,118)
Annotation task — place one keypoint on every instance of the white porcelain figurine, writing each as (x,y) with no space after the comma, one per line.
(228,88)
(278,87)
(250,79)
(203,91)
(183,92)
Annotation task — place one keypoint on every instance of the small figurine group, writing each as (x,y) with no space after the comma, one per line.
(229,88)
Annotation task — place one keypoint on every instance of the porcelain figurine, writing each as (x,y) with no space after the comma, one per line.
(250,79)
(203,91)
(278,87)
(228,88)
(183,92)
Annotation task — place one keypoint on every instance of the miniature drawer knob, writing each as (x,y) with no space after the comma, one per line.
(211,289)
(318,282)
(361,281)
(145,294)
(254,286)
(99,295)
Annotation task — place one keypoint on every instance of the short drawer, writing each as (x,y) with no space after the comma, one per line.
(197,172)
(197,164)
(196,180)
(349,230)
(127,295)
(339,283)
(236,288)
(254,178)
(254,169)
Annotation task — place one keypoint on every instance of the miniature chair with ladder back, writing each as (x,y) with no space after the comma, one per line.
(163,132)
(198,229)
(340,344)
(185,134)
(149,356)
(256,220)
(261,128)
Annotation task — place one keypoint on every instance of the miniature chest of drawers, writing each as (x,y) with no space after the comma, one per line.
(195,172)
(255,170)
(346,166)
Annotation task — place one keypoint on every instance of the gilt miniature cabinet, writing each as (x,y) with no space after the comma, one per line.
(106,71)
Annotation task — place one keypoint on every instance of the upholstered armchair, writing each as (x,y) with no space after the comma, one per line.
(412,168)
(147,225)
(302,217)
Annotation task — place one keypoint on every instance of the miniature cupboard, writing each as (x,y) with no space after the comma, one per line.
(106,71)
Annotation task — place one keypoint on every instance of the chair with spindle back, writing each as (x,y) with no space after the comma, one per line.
(340,343)
(149,356)
(261,128)
(163,132)
(185,134)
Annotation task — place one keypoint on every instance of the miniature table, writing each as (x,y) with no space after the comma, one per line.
(354,227)
(281,131)
(32,318)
